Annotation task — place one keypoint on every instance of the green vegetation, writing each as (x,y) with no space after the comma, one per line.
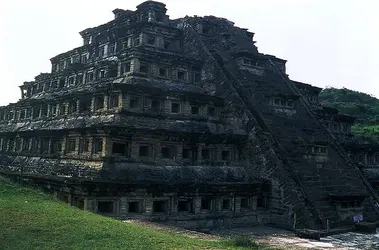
(366,133)
(363,106)
(244,241)
(30,219)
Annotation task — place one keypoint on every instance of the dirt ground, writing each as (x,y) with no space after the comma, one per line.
(279,238)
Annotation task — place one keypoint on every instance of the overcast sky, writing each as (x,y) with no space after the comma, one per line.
(326,42)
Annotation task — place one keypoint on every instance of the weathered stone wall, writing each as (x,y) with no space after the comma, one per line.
(285,197)
(296,130)
(217,215)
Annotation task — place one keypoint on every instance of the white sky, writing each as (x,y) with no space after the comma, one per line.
(326,42)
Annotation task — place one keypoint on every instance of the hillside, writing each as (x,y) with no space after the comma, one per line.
(363,106)
(33,220)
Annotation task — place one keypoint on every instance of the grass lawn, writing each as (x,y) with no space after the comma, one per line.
(30,219)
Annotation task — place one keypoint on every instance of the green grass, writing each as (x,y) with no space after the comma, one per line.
(30,219)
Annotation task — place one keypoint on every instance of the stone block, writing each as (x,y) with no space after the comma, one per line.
(308,234)
(365,227)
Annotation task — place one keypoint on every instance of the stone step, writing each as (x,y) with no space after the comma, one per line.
(365,227)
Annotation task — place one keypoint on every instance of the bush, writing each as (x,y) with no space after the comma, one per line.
(244,241)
